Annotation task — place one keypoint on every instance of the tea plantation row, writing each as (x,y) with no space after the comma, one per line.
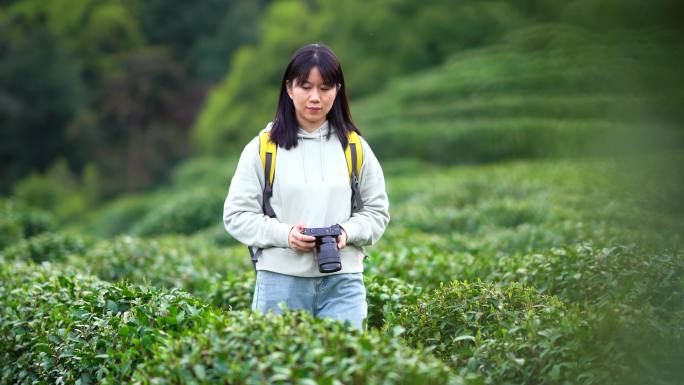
(517,273)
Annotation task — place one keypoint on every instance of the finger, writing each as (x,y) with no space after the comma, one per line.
(305,238)
(300,228)
(303,246)
(341,242)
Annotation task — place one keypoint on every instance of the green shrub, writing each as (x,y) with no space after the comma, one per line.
(57,325)
(248,348)
(589,273)
(120,215)
(204,171)
(487,222)
(53,247)
(218,235)
(192,264)
(57,190)
(387,297)
(184,214)
(632,299)
(60,326)
(234,291)
(19,221)
(491,334)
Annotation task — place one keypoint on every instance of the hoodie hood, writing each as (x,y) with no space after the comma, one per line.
(313,139)
(321,131)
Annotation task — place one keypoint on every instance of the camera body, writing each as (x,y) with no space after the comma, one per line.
(326,247)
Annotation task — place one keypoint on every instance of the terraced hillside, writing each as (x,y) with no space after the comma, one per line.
(528,99)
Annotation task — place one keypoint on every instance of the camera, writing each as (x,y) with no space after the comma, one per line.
(326,247)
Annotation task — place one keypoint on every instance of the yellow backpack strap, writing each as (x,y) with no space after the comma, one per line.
(267,153)
(354,155)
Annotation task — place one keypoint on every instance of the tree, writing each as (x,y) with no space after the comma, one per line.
(40,92)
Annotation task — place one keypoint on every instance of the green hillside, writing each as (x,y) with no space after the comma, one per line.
(483,105)
(532,97)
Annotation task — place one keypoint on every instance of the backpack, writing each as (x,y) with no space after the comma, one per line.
(267,152)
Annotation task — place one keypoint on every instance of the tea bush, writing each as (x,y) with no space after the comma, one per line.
(58,326)
(384,296)
(52,247)
(18,221)
(119,216)
(217,234)
(204,171)
(563,228)
(486,221)
(233,291)
(190,263)
(293,348)
(140,213)
(493,334)
(632,299)
(223,277)
(387,297)
(185,213)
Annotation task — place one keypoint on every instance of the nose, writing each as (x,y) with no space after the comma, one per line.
(314,96)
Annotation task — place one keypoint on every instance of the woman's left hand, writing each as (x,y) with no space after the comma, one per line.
(342,240)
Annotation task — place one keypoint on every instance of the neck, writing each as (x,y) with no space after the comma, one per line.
(311,127)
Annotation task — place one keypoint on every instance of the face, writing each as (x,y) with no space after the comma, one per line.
(312,100)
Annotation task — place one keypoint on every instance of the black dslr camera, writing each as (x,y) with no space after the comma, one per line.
(326,247)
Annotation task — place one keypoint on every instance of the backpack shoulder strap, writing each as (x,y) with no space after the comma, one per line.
(267,153)
(354,155)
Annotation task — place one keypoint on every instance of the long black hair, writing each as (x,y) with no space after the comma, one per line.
(285,126)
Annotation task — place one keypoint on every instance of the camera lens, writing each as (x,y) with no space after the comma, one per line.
(328,255)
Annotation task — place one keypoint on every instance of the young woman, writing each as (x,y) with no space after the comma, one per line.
(311,188)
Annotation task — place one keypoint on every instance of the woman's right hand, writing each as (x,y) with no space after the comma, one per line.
(299,241)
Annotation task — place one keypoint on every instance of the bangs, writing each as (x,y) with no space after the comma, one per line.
(328,67)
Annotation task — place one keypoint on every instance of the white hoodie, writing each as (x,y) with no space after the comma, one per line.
(311,186)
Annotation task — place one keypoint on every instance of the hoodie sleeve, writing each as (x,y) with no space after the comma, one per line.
(243,216)
(367,225)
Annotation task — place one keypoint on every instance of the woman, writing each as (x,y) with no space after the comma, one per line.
(311,188)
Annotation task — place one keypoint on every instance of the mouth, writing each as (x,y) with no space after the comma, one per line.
(314,109)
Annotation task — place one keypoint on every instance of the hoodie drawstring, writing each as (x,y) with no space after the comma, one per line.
(320,150)
(306,179)
(320,153)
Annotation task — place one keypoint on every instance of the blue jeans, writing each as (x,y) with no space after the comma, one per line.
(338,296)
